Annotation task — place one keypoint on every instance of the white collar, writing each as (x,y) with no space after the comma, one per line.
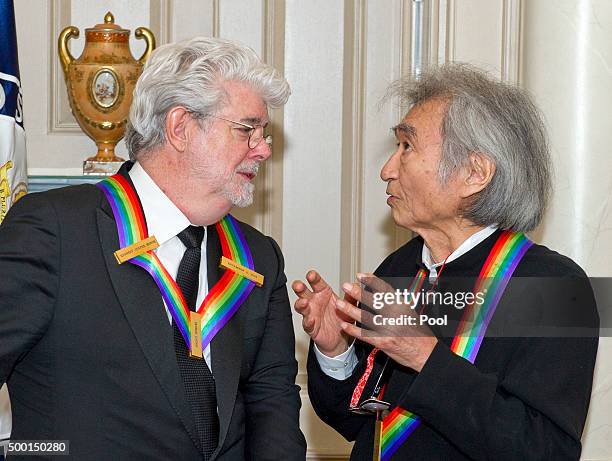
(164,219)
(466,246)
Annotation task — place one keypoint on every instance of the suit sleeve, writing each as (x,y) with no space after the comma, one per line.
(272,398)
(331,397)
(29,274)
(535,409)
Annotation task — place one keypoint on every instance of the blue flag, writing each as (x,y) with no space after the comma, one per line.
(13,171)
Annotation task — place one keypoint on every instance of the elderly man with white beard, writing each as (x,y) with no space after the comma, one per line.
(139,319)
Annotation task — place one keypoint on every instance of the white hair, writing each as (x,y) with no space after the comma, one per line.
(191,74)
(498,120)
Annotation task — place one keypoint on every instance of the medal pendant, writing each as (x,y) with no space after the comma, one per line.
(373,405)
(195,334)
(377,438)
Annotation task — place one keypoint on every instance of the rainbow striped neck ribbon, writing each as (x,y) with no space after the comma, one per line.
(221,302)
(494,276)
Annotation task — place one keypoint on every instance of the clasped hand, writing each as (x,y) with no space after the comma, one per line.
(332,322)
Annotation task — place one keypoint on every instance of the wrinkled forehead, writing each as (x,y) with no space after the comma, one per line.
(246,101)
(424,117)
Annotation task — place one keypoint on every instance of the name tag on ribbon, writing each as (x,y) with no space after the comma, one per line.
(239,269)
(136,249)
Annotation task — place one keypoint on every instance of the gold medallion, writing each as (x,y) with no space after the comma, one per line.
(195,333)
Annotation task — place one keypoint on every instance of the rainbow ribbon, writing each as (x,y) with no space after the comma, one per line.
(221,302)
(494,276)
(417,283)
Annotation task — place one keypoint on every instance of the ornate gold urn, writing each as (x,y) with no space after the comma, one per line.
(100,84)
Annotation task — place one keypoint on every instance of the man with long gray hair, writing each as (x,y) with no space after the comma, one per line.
(139,319)
(478,343)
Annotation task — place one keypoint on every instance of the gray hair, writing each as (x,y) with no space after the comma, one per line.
(191,74)
(498,120)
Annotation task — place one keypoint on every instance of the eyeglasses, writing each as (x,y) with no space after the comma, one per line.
(253,134)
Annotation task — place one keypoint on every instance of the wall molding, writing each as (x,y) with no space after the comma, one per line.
(316,455)
(448,16)
(351,221)
(161,20)
(216,18)
(511,40)
(37,183)
(302,379)
(60,117)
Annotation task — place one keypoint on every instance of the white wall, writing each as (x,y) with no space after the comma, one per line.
(567,64)
(320,195)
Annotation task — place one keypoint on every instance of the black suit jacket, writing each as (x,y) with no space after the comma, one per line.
(87,349)
(525,397)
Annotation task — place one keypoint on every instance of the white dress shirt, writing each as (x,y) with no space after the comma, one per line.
(462,249)
(165,221)
(342,366)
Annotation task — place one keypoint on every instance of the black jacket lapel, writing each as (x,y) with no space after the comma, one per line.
(226,346)
(141,302)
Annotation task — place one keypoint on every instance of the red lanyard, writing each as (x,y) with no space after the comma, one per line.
(358,391)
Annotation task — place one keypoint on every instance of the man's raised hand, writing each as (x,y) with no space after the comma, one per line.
(320,317)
